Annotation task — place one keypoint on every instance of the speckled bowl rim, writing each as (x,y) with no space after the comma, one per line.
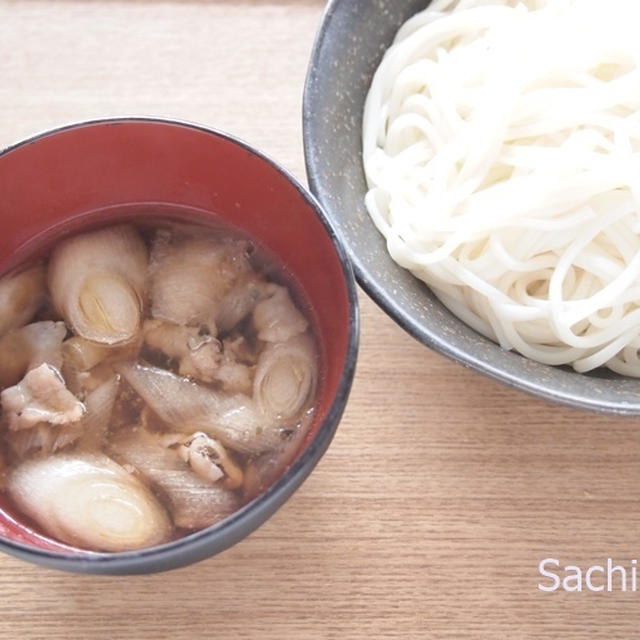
(383,298)
(215,539)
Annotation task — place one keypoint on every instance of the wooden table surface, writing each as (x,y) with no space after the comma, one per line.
(442,490)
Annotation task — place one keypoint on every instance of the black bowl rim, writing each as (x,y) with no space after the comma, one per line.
(212,540)
(385,301)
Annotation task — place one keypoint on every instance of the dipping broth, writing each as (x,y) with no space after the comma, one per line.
(154,379)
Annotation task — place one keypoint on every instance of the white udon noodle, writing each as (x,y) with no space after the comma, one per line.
(501,145)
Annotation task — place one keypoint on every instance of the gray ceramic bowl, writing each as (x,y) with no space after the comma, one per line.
(353,37)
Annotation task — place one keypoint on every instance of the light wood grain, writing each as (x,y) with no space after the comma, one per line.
(441,491)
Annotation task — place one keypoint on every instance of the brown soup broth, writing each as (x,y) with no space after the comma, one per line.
(156,375)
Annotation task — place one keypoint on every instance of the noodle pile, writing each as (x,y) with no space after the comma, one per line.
(501,144)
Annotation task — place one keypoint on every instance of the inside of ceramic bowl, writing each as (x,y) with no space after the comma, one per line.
(351,42)
(100,173)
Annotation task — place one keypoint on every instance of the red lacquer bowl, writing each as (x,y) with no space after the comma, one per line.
(104,171)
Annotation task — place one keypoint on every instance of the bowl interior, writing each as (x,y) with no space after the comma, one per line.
(352,39)
(102,172)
